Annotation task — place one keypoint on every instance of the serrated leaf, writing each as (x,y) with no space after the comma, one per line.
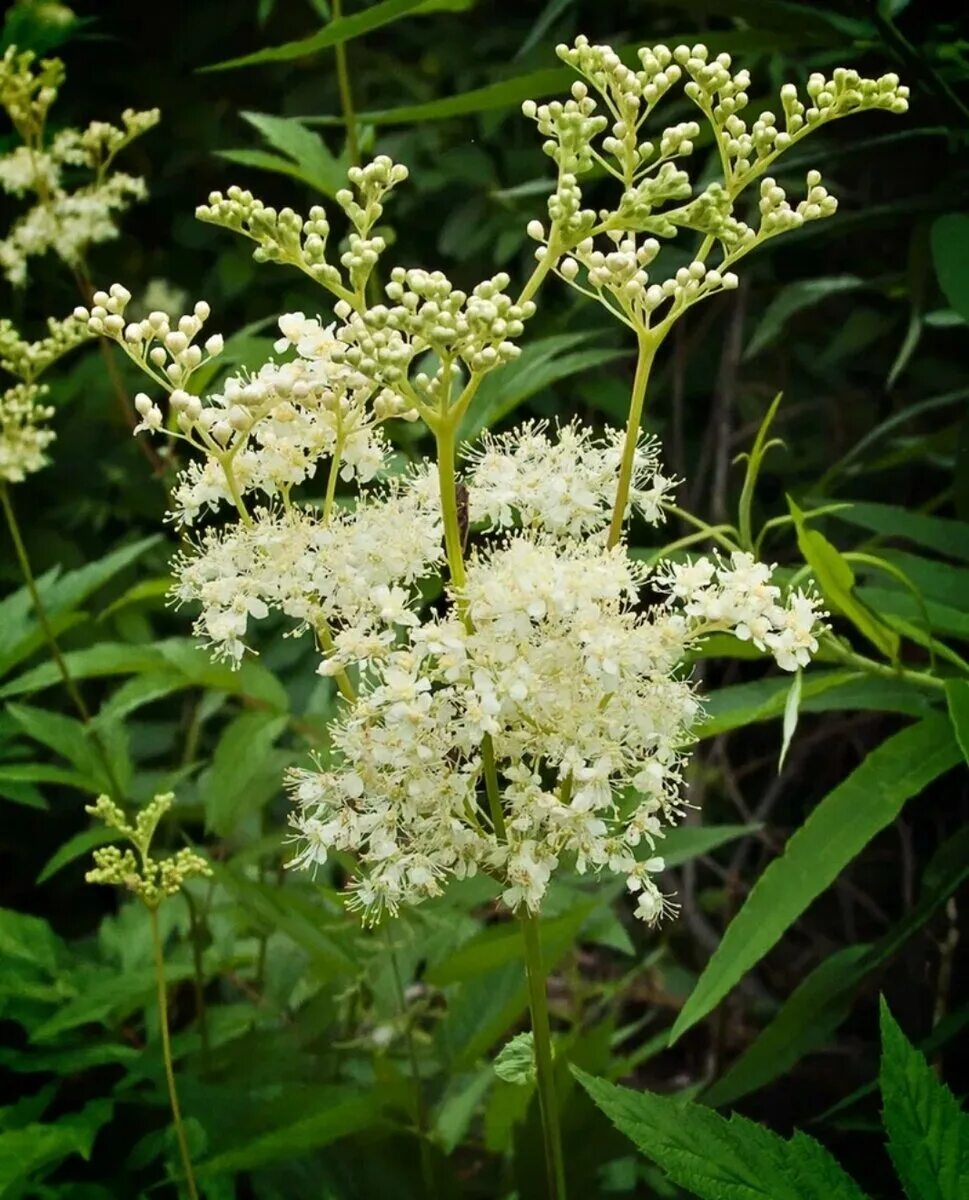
(36,1149)
(840,826)
(240,754)
(928,1135)
(720,1159)
(105,658)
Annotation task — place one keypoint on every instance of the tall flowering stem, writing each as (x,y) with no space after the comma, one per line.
(544,1064)
(647,346)
(162,994)
(152,881)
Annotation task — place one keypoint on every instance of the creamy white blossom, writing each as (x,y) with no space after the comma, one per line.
(75,198)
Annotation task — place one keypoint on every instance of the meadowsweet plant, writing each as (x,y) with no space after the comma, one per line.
(153,880)
(67,179)
(540,715)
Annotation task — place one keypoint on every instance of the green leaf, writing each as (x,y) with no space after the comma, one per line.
(836,580)
(457,1109)
(950,254)
(332,34)
(819,1004)
(720,1159)
(240,755)
(928,1136)
(809,1016)
(682,843)
(304,154)
(28,939)
(105,658)
(39,1148)
(793,299)
(515,1061)
(73,848)
(957,698)
(841,825)
(792,708)
(540,364)
(937,533)
(64,735)
(765,699)
(343,1111)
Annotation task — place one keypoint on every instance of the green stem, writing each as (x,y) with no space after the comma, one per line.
(545,1069)
(647,347)
(346,94)
(447,481)
(195,934)
(43,620)
(420,1111)
(167,1055)
(883,670)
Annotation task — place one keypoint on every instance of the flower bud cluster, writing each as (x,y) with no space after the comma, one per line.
(23,437)
(657,197)
(65,220)
(28,88)
(621,275)
(723,96)
(150,879)
(162,346)
(428,312)
(281,237)
(286,237)
(28,360)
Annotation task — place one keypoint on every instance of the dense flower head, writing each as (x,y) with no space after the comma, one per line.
(24,436)
(565,484)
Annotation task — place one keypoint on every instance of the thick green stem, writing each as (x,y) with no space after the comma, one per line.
(647,347)
(544,1066)
(43,620)
(453,542)
(167,1055)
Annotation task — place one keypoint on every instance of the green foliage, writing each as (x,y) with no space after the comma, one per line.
(735,1159)
(297,1035)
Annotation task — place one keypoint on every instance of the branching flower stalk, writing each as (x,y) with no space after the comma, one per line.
(540,716)
(24,439)
(153,881)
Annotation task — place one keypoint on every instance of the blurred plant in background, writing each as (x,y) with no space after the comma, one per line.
(319,1057)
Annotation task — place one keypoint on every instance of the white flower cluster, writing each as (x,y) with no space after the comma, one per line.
(353,575)
(545,657)
(566,485)
(23,435)
(76,198)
